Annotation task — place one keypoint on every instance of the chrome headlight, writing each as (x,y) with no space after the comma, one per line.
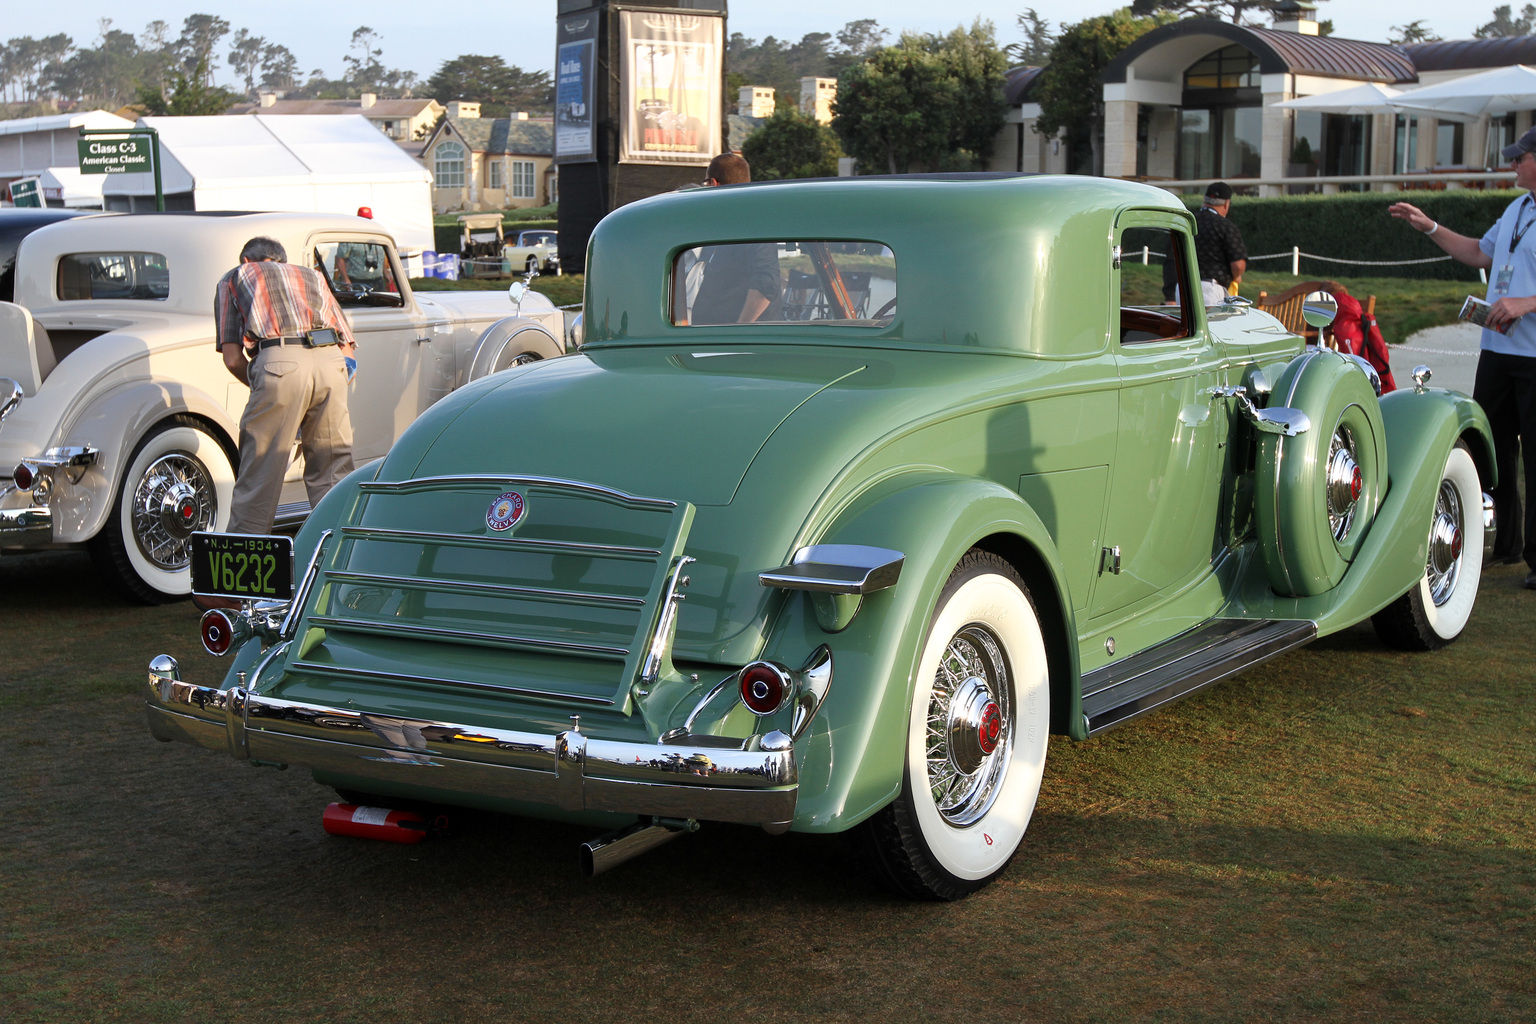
(574,333)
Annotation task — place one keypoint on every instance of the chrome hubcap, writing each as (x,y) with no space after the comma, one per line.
(1345,483)
(969,740)
(174,499)
(1444,566)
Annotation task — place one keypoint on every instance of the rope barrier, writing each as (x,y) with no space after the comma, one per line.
(1357,263)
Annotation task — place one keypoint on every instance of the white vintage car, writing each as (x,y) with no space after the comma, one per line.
(532,250)
(118,421)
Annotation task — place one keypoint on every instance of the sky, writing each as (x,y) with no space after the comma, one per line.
(522,33)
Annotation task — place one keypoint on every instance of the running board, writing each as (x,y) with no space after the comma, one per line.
(292,514)
(1207,654)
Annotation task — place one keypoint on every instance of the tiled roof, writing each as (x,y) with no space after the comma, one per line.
(1019,82)
(503,135)
(1284,52)
(380,108)
(1459,54)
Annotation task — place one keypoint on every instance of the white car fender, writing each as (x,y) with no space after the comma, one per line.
(515,335)
(115,422)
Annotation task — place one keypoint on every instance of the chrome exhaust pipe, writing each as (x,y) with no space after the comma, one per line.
(609,851)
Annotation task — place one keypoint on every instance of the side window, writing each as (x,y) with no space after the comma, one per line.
(356,270)
(1155,298)
(113,275)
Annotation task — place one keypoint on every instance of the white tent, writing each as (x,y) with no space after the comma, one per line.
(1369,98)
(73,188)
(1466,99)
(300,163)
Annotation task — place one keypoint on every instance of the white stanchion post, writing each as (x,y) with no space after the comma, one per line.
(1295,261)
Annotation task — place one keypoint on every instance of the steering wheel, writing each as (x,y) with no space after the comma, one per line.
(353,290)
(885,310)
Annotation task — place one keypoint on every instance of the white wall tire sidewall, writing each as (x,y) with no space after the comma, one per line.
(996,602)
(215,461)
(1449,619)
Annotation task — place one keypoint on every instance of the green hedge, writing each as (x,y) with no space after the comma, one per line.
(1356,226)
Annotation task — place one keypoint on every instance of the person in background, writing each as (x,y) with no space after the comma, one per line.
(1505,385)
(741,283)
(282,334)
(1219,248)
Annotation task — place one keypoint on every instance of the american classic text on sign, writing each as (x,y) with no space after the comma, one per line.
(113,156)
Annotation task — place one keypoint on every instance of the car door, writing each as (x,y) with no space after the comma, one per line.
(393,341)
(1165,490)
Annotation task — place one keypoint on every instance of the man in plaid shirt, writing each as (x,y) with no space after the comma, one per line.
(282,334)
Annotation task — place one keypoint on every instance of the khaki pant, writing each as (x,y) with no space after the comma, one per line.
(294,391)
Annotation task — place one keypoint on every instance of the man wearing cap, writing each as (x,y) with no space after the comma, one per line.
(1505,385)
(282,334)
(1219,245)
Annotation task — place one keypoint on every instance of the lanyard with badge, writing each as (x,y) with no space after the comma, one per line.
(1507,272)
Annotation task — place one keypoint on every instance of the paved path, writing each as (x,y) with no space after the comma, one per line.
(1449,351)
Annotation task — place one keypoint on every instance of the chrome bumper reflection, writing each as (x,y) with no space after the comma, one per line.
(26,525)
(569,770)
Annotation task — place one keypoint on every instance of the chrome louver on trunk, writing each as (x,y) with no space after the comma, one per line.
(428,590)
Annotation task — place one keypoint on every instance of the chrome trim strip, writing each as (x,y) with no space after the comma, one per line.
(500,543)
(488,589)
(296,609)
(337,672)
(475,480)
(666,622)
(442,633)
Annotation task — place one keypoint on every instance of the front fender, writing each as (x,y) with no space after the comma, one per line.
(1420,429)
(853,755)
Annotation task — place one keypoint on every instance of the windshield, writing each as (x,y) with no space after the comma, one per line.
(847,283)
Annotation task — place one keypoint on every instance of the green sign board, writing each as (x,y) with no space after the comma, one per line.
(27,192)
(106,155)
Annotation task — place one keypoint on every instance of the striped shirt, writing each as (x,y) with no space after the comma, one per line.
(256,301)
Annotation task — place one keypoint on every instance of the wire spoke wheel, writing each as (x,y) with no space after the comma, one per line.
(968,740)
(174,498)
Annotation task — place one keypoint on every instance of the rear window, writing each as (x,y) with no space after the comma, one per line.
(846,283)
(114,275)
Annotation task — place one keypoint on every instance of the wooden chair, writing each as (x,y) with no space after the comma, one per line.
(1286,307)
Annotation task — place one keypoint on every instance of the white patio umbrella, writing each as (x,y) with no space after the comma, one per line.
(1466,99)
(1368,98)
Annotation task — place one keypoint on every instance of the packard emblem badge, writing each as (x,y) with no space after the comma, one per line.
(505,512)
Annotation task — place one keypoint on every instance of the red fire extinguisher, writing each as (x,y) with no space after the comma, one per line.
(376,823)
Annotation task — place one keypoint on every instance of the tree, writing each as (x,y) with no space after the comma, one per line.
(245,56)
(106,74)
(200,33)
(791,145)
(1413,32)
(498,87)
(1237,11)
(856,41)
(1069,91)
(1503,24)
(279,68)
(933,101)
(364,70)
(188,94)
(1035,50)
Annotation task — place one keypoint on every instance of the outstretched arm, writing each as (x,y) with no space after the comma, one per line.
(1460,247)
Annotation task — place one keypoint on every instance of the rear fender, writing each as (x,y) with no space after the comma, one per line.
(853,754)
(115,423)
(514,335)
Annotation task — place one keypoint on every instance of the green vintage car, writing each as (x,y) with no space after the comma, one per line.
(856,492)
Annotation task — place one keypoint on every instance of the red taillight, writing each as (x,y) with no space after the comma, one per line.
(22,474)
(218,631)
(764,687)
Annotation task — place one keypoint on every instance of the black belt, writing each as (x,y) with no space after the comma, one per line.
(269,342)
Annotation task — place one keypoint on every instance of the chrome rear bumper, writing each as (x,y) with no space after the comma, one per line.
(569,770)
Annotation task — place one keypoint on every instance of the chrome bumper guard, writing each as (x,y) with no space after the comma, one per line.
(571,770)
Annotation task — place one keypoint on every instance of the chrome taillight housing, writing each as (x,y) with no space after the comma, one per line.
(765,687)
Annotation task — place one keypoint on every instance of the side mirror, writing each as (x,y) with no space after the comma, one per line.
(1319,308)
(515,291)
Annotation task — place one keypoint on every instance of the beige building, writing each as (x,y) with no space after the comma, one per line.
(1197,100)
(490,164)
(816,96)
(401,120)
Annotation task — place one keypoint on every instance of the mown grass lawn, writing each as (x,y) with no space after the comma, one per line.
(1344,834)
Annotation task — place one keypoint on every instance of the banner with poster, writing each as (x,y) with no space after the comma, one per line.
(575,56)
(670,104)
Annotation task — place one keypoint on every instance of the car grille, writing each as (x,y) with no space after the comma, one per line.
(421,594)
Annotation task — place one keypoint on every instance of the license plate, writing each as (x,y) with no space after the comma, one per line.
(242,565)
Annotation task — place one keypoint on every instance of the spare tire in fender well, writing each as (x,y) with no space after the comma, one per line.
(507,339)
